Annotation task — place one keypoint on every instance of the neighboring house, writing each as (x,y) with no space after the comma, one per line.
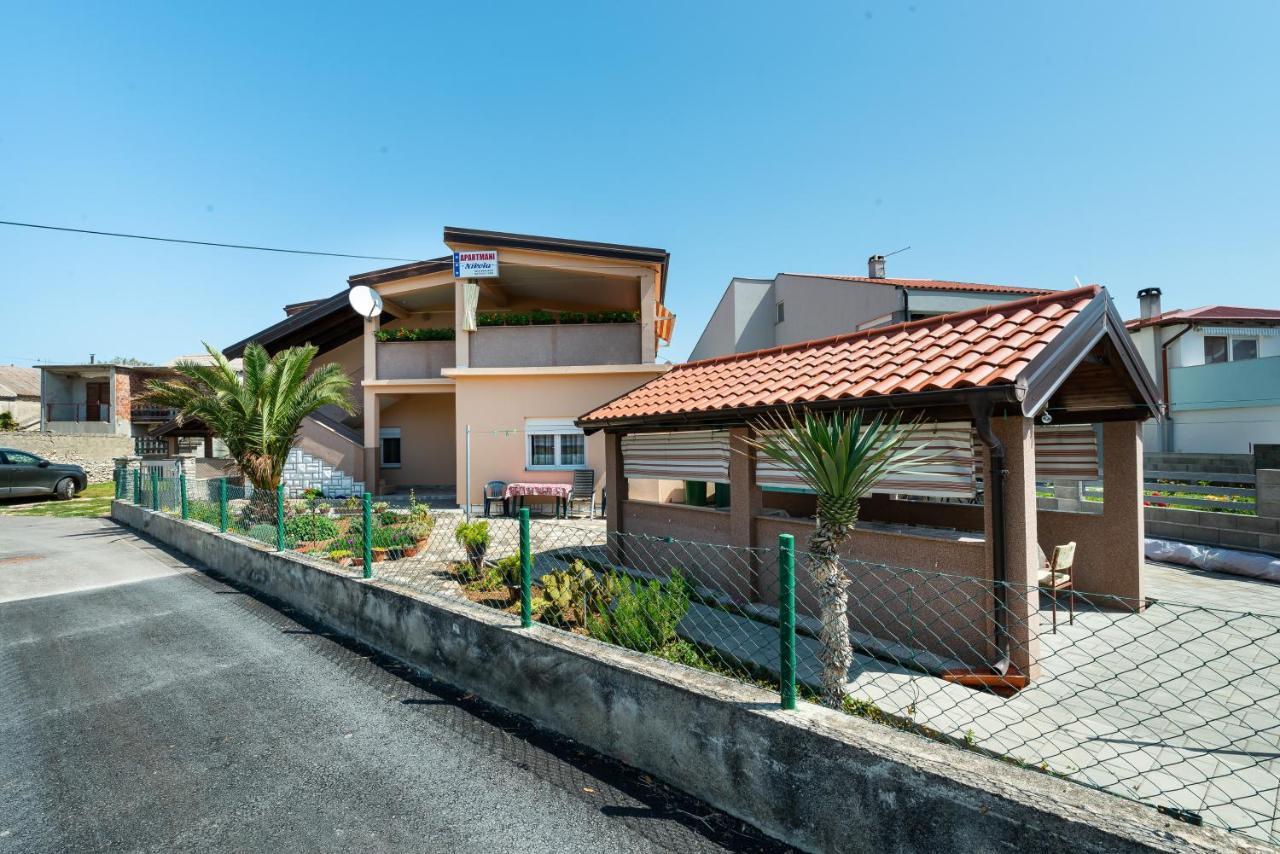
(792,307)
(20,395)
(499,365)
(1218,368)
(105,398)
(100,398)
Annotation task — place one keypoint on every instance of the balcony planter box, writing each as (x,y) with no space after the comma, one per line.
(414,360)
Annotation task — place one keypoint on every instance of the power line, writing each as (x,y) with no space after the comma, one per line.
(201,242)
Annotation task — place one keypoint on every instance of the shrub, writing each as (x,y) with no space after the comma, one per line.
(474,537)
(262,533)
(567,593)
(310,528)
(643,615)
(340,554)
(392,538)
(7,421)
(538,317)
(380,507)
(312,494)
(203,511)
(388,517)
(509,570)
(421,527)
(352,503)
(572,317)
(445,333)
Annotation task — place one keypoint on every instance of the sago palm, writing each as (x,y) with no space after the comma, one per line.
(840,458)
(256,415)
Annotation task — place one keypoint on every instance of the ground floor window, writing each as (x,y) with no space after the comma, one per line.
(554,443)
(390,441)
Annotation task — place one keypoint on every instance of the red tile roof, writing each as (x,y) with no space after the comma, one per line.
(979,348)
(932,284)
(1208,314)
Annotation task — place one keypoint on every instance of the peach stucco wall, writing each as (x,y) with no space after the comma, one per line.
(427,451)
(492,404)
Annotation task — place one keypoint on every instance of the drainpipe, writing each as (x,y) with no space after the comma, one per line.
(1166,429)
(995,491)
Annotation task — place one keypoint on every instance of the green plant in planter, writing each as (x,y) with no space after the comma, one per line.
(431,333)
(421,527)
(539,317)
(573,317)
(474,537)
(381,507)
(509,569)
(488,318)
(352,503)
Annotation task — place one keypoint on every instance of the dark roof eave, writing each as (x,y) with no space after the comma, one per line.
(1004,393)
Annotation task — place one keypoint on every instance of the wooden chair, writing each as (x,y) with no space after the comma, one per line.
(1056,576)
(493,493)
(583,489)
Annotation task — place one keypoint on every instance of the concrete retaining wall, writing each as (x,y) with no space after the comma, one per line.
(819,780)
(1205,527)
(95,453)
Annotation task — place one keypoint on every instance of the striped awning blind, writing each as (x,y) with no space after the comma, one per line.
(689,455)
(947,473)
(1066,452)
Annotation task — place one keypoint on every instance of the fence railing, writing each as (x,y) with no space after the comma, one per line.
(1173,705)
(1230,493)
(81,412)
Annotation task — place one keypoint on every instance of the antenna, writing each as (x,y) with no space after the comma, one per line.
(366,301)
(897,252)
(1079,284)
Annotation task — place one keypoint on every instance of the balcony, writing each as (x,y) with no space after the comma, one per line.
(555,345)
(78,413)
(414,360)
(1250,382)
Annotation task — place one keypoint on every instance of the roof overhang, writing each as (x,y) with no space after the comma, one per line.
(327,324)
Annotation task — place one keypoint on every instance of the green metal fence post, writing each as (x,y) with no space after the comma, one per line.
(137,486)
(279,517)
(787,618)
(526,572)
(182,497)
(368,535)
(155,489)
(222,505)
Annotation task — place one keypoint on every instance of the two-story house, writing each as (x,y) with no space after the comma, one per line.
(1218,369)
(483,376)
(790,308)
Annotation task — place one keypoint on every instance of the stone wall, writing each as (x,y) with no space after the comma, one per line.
(94,452)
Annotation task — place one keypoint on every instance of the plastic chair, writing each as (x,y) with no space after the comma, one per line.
(583,489)
(493,493)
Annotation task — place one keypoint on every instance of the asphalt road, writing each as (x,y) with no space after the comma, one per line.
(145,705)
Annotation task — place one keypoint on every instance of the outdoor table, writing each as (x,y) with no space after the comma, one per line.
(559,491)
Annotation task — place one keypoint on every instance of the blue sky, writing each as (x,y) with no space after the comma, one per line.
(1126,144)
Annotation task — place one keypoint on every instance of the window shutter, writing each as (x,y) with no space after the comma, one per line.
(690,455)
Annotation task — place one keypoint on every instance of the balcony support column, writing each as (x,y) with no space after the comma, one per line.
(370,449)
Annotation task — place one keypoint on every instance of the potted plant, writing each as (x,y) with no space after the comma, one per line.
(474,538)
(379,554)
(341,557)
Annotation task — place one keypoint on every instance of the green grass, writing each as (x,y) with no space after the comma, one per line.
(94,501)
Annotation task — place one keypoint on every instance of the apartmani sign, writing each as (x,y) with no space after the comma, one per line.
(479,264)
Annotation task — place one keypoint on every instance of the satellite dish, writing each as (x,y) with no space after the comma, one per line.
(365,300)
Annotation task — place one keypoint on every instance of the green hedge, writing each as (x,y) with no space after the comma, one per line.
(433,333)
(547,318)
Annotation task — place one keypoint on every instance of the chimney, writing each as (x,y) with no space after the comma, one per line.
(1148,302)
(91,355)
(875,267)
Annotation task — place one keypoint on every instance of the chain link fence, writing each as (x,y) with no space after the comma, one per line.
(1173,705)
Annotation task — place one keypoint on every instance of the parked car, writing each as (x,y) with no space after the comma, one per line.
(23,473)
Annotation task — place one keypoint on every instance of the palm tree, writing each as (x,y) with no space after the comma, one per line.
(256,415)
(840,459)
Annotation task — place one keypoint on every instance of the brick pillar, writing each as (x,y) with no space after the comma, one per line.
(1122,518)
(616,483)
(1022,563)
(746,501)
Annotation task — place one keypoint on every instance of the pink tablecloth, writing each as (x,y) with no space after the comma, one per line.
(553,490)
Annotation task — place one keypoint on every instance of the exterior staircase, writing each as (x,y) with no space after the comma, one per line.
(302,471)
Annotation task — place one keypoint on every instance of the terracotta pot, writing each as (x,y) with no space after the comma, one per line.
(410,551)
(379,555)
(346,561)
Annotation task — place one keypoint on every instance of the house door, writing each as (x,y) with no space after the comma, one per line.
(97,401)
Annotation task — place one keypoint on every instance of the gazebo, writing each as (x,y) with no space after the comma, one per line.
(1046,388)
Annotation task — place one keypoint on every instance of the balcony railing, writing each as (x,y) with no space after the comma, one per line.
(414,360)
(142,413)
(99,413)
(1251,382)
(559,345)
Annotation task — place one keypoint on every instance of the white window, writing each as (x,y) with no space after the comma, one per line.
(1234,348)
(389,439)
(782,312)
(554,443)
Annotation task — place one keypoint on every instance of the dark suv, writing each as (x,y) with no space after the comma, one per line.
(23,473)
